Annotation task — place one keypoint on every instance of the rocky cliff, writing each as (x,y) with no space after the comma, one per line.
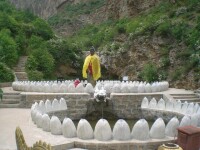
(113,8)
(44,8)
(123,8)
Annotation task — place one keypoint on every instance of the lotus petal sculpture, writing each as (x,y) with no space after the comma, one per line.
(84,130)
(171,128)
(68,128)
(140,130)
(158,129)
(102,131)
(121,130)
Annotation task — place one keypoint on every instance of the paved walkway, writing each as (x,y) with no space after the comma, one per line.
(12,117)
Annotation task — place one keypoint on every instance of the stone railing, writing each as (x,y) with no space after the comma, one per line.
(102,131)
(109,86)
(188,113)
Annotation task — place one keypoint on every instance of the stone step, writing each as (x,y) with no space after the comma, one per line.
(21,75)
(22,79)
(197,91)
(185,97)
(182,95)
(19,69)
(77,149)
(9,105)
(11,93)
(190,100)
(10,101)
(11,96)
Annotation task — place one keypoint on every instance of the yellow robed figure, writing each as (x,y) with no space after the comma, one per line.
(91,67)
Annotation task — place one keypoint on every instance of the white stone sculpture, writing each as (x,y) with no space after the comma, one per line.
(116,88)
(153,103)
(46,122)
(55,126)
(190,109)
(177,106)
(185,121)
(80,88)
(48,106)
(39,119)
(194,120)
(55,105)
(84,130)
(124,88)
(68,128)
(157,130)
(133,88)
(154,88)
(108,87)
(71,88)
(42,107)
(145,103)
(169,105)
(63,105)
(141,88)
(102,131)
(148,88)
(140,130)
(55,88)
(121,130)
(184,107)
(100,95)
(196,107)
(171,128)
(161,104)
(89,88)
(63,88)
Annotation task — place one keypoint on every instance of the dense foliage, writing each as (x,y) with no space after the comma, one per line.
(6,74)
(22,33)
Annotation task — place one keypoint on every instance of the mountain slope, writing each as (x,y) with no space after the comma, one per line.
(166,36)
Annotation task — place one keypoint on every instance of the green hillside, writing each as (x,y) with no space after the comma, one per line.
(179,22)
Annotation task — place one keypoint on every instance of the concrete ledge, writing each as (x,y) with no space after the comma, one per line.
(121,145)
(94,144)
(153,114)
(5,84)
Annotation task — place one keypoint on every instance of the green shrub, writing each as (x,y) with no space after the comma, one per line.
(6,75)
(61,50)
(8,48)
(35,75)
(22,42)
(1,94)
(8,22)
(179,30)
(177,75)
(42,29)
(164,28)
(149,73)
(165,62)
(184,54)
(164,51)
(36,42)
(6,7)
(163,74)
(31,63)
(45,61)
